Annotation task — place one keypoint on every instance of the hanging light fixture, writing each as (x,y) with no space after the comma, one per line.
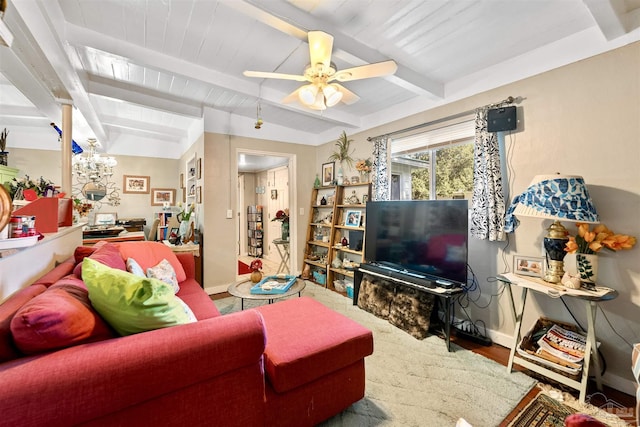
(259,120)
(93,171)
(332,95)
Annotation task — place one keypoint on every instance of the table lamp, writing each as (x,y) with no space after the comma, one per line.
(560,198)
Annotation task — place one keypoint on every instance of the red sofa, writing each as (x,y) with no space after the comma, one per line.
(263,367)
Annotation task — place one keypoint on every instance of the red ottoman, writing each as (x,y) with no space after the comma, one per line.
(314,361)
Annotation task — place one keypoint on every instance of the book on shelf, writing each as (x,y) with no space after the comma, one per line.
(566,346)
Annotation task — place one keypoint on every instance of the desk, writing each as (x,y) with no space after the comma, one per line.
(283,250)
(124,236)
(591,300)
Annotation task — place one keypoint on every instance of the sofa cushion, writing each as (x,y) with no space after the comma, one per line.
(197,299)
(8,309)
(307,340)
(165,272)
(58,318)
(107,254)
(131,304)
(149,254)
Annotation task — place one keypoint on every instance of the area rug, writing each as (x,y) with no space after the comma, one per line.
(243,268)
(542,411)
(413,382)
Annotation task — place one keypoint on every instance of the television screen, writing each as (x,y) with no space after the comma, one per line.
(423,236)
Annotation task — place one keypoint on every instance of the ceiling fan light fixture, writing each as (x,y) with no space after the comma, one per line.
(318,104)
(308,94)
(332,95)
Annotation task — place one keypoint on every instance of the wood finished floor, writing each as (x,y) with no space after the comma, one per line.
(500,354)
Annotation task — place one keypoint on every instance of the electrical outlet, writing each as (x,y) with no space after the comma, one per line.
(229,213)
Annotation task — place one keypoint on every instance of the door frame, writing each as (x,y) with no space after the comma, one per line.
(293,200)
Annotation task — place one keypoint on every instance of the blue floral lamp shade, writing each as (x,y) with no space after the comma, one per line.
(556,197)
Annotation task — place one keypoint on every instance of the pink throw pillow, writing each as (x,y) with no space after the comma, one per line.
(60,317)
(107,254)
(149,254)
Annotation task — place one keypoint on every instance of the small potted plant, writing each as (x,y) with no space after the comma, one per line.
(256,274)
(342,154)
(3,145)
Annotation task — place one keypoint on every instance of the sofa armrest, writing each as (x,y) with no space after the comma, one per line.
(93,380)
(188,263)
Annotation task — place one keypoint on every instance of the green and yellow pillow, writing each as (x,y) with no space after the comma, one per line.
(132,304)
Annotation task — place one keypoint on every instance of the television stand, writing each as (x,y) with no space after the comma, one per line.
(396,278)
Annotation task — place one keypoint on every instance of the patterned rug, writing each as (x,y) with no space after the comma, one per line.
(542,411)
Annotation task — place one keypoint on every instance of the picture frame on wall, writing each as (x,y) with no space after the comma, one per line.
(181,180)
(135,184)
(162,196)
(328,173)
(352,218)
(528,265)
(199,168)
(199,194)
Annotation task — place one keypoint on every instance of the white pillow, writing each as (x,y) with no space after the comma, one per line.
(134,268)
(165,272)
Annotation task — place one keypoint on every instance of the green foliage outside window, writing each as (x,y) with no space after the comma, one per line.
(454,173)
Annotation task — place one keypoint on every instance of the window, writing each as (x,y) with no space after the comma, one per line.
(436,164)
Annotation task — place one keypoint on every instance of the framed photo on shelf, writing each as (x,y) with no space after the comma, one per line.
(199,194)
(199,168)
(162,196)
(528,265)
(365,199)
(328,170)
(135,184)
(352,218)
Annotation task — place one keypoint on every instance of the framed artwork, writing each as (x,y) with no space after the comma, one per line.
(163,196)
(274,194)
(199,194)
(328,173)
(528,265)
(181,180)
(199,168)
(135,184)
(352,218)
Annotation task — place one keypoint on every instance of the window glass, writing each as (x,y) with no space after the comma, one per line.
(436,164)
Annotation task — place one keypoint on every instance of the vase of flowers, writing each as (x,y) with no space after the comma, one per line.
(364,167)
(256,274)
(587,243)
(185,221)
(283,217)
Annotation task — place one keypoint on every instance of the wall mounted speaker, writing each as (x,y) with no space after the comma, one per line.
(501,119)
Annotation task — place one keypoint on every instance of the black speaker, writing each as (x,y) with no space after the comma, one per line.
(501,119)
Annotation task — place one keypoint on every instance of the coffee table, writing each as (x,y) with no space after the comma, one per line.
(242,290)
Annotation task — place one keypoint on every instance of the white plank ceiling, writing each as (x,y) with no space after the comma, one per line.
(146,76)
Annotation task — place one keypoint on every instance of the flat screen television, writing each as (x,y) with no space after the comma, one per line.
(428,237)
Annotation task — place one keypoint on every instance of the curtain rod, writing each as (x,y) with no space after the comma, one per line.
(507,101)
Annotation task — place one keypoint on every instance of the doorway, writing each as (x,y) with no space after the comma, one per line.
(264,186)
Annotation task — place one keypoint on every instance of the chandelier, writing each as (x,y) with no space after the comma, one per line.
(93,174)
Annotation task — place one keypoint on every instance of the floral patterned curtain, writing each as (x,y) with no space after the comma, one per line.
(380,176)
(487,205)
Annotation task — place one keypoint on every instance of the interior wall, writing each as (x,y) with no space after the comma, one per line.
(220,153)
(163,173)
(580,119)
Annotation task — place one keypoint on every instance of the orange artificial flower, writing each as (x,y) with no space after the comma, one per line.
(590,242)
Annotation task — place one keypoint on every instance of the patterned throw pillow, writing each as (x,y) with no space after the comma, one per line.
(132,304)
(165,272)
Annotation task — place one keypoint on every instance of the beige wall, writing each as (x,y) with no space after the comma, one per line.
(220,173)
(163,173)
(581,119)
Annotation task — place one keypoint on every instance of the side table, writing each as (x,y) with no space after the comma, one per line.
(283,250)
(242,290)
(591,300)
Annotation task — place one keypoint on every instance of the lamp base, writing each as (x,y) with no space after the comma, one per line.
(554,272)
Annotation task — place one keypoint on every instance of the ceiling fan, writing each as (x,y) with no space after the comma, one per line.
(321,72)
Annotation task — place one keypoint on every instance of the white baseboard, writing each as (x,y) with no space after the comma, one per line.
(210,290)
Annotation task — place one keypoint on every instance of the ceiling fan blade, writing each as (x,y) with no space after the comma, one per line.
(320,47)
(293,96)
(266,75)
(348,97)
(377,69)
